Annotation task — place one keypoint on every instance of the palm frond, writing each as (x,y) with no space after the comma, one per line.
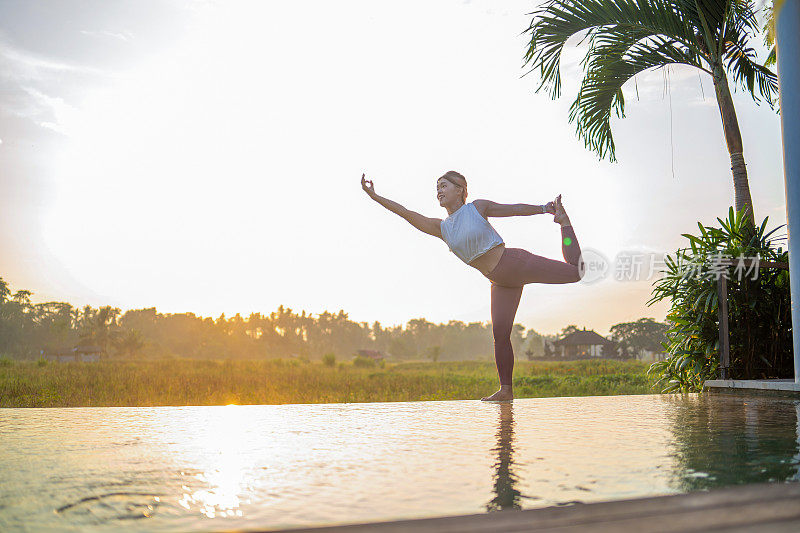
(610,66)
(740,59)
(558,20)
(769,34)
(772,58)
(703,14)
(627,37)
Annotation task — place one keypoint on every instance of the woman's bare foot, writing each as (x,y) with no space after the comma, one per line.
(561,214)
(504,394)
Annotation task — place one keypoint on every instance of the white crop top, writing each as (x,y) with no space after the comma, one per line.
(468,234)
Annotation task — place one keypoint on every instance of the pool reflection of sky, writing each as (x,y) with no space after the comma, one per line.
(294,465)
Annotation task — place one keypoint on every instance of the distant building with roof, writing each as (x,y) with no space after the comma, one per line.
(584,344)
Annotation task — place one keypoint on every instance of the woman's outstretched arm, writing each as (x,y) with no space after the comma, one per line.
(488,208)
(431,226)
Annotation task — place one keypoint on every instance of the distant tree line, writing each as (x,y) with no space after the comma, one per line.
(29,329)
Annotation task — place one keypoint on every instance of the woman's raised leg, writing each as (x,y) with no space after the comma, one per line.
(570,248)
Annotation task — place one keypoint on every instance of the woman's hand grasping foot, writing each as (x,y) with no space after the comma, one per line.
(550,207)
(369,189)
(561,214)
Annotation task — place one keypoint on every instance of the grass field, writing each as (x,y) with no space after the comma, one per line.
(212,382)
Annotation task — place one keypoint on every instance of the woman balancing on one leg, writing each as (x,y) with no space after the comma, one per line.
(469,235)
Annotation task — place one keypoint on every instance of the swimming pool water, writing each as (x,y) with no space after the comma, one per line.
(274,466)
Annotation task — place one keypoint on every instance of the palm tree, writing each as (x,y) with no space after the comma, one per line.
(5,292)
(627,37)
(129,342)
(99,325)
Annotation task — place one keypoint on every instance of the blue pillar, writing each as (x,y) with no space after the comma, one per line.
(787,26)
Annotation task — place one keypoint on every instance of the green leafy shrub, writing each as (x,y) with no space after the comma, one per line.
(759,313)
(363,362)
(5,362)
(329,359)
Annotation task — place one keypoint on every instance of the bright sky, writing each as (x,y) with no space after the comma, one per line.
(206,157)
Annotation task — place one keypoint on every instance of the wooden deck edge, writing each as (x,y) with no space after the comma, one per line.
(728,508)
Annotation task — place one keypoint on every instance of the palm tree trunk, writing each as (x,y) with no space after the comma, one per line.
(733,138)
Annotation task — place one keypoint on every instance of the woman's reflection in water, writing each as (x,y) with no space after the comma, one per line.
(506,496)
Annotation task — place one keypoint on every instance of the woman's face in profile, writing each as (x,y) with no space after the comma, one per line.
(446,192)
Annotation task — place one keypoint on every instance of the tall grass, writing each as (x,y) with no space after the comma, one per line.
(213,382)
